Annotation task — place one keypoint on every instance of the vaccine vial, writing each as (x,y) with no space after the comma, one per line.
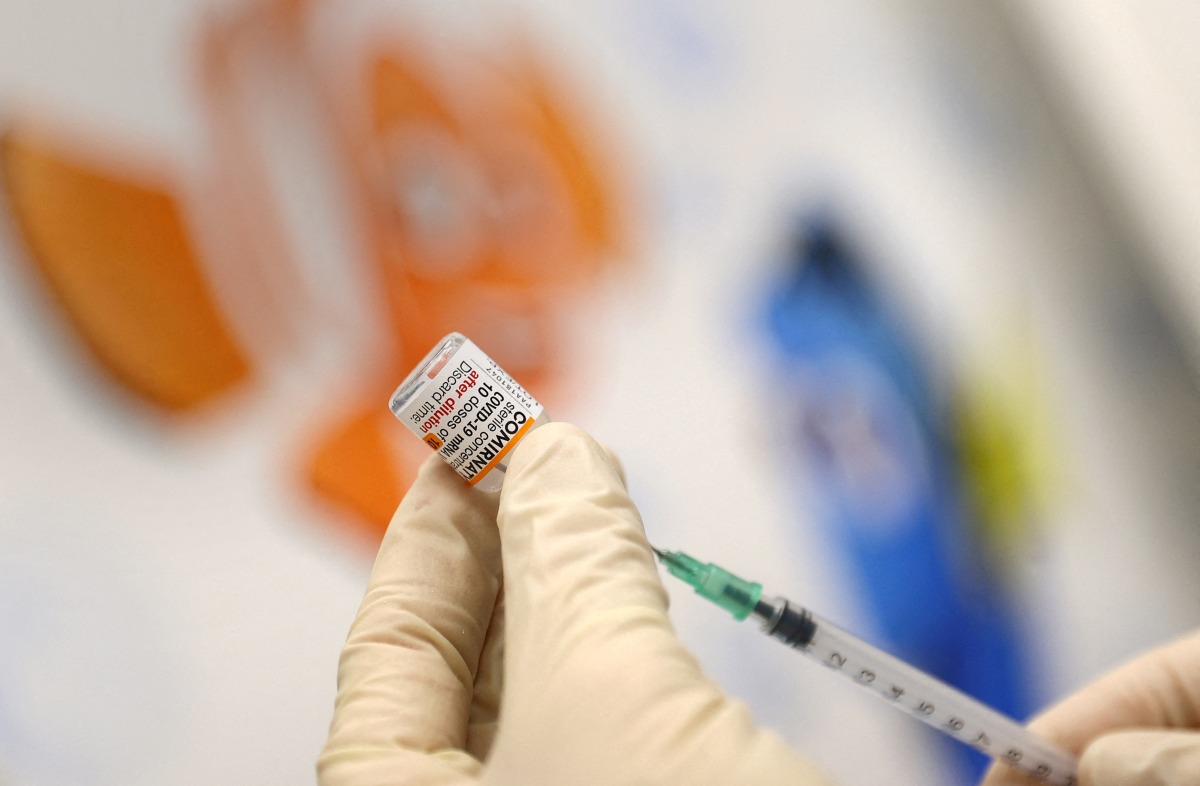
(464,406)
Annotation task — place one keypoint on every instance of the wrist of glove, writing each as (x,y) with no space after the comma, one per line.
(524,639)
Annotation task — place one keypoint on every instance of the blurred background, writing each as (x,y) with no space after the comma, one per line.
(892,306)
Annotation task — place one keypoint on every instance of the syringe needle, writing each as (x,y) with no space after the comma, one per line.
(925,697)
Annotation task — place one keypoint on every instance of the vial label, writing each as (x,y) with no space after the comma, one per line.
(471,412)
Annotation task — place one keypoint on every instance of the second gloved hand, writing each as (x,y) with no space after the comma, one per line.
(1138,726)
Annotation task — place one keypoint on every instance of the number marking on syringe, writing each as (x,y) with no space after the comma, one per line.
(923,696)
(927,711)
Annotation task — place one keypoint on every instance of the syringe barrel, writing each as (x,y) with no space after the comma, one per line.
(927,698)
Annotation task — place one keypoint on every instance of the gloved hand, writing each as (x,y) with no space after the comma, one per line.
(1137,726)
(533,652)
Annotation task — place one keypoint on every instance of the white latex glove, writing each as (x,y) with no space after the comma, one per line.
(576,649)
(1137,726)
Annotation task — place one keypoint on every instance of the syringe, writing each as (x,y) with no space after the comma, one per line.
(925,697)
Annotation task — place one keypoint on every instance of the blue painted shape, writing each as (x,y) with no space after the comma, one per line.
(870,439)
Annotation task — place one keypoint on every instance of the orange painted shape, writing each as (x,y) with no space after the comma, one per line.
(356,467)
(401,94)
(118,256)
(576,156)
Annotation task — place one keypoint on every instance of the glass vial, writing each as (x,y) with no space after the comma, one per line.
(464,406)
